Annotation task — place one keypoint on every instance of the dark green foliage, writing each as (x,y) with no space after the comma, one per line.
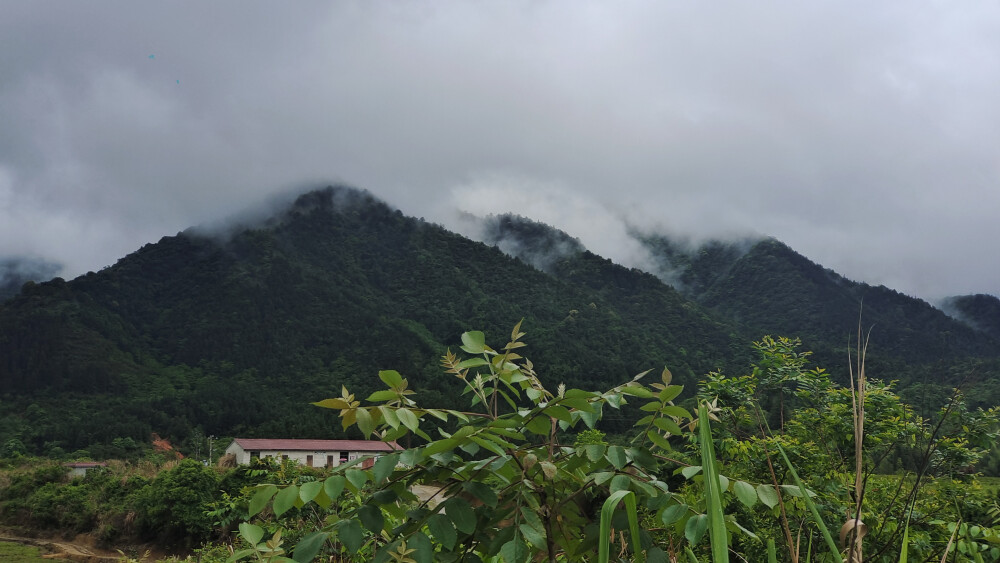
(175,504)
(982,312)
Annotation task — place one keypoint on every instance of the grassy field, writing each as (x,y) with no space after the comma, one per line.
(10,551)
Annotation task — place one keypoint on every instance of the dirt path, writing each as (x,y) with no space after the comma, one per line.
(59,550)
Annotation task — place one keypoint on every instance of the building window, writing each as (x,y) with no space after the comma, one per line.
(343,457)
(284,457)
(255,454)
(309,461)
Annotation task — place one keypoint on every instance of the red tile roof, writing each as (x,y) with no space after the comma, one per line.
(315,445)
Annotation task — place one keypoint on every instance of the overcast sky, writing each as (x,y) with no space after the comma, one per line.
(864,135)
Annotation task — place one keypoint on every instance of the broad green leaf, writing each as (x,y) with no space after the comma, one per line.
(333,404)
(461,514)
(658,441)
(481,491)
(334,485)
(514,551)
(308,547)
(391,378)
(670,393)
(443,529)
(322,499)
(539,425)
(656,555)
(491,446)
(251,532)
(440,446)
(408,419)
(616,455)
(260,498)
(673,513)
(308,491)
(389,415)
(380,396)
(351,535)
(384,467)
(474,342)
(533,536)
(371,517)
(668,425)
(745,493)
(424,548)
(595,451)
(695,528)
(767,495)
(473,363)
(365,423)
(285,499)
(580,404)
(674,410)
(690,471)
(356,477)
(619,483)
(591,418)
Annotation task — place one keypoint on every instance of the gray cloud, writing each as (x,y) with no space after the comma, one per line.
(865,136)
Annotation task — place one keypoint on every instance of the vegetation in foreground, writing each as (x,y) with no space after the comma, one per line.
(762,466)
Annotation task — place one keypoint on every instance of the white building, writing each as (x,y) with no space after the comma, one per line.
(311,453)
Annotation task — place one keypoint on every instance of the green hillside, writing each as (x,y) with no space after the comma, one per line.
(236,333)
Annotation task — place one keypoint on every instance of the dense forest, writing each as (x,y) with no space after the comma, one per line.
(231,331)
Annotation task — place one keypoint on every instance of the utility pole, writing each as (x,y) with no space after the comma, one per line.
(211,442)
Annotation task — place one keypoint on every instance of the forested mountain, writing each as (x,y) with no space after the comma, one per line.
(979,311)
(236,331)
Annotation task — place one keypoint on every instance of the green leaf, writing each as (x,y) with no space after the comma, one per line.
(285,499)
(439,446)
(308,547)
(616,455)
(607,512)
(443,529)
(595,451)
(559,413)
(251,532)
(481,491)
(767,495)
(539,425)
(690,471)
(658,441)
(674,410)
(356,477)
(424,548)
(332,404)
(491,446)
(533,536)
(383,395)
(371,518)
(351,535)
(619,483)
(389,415)
(333,486)
(668,425)
(408,419)
(473,363)
(461,514)
(308,491)
(670,393)
(384,467)
(474,342)
(391,378)
(745,493)
(673,513)
(260,498)
(695,528)
(514,551)
(365,423)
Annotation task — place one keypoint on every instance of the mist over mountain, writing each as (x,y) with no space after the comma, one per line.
(979,311)
(234,329)
(15,271)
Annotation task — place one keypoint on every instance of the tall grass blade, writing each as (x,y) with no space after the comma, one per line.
(951,540)
(713,492)
(904,550)
(772,553)
(692,558)
(834,551)
(607,511)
